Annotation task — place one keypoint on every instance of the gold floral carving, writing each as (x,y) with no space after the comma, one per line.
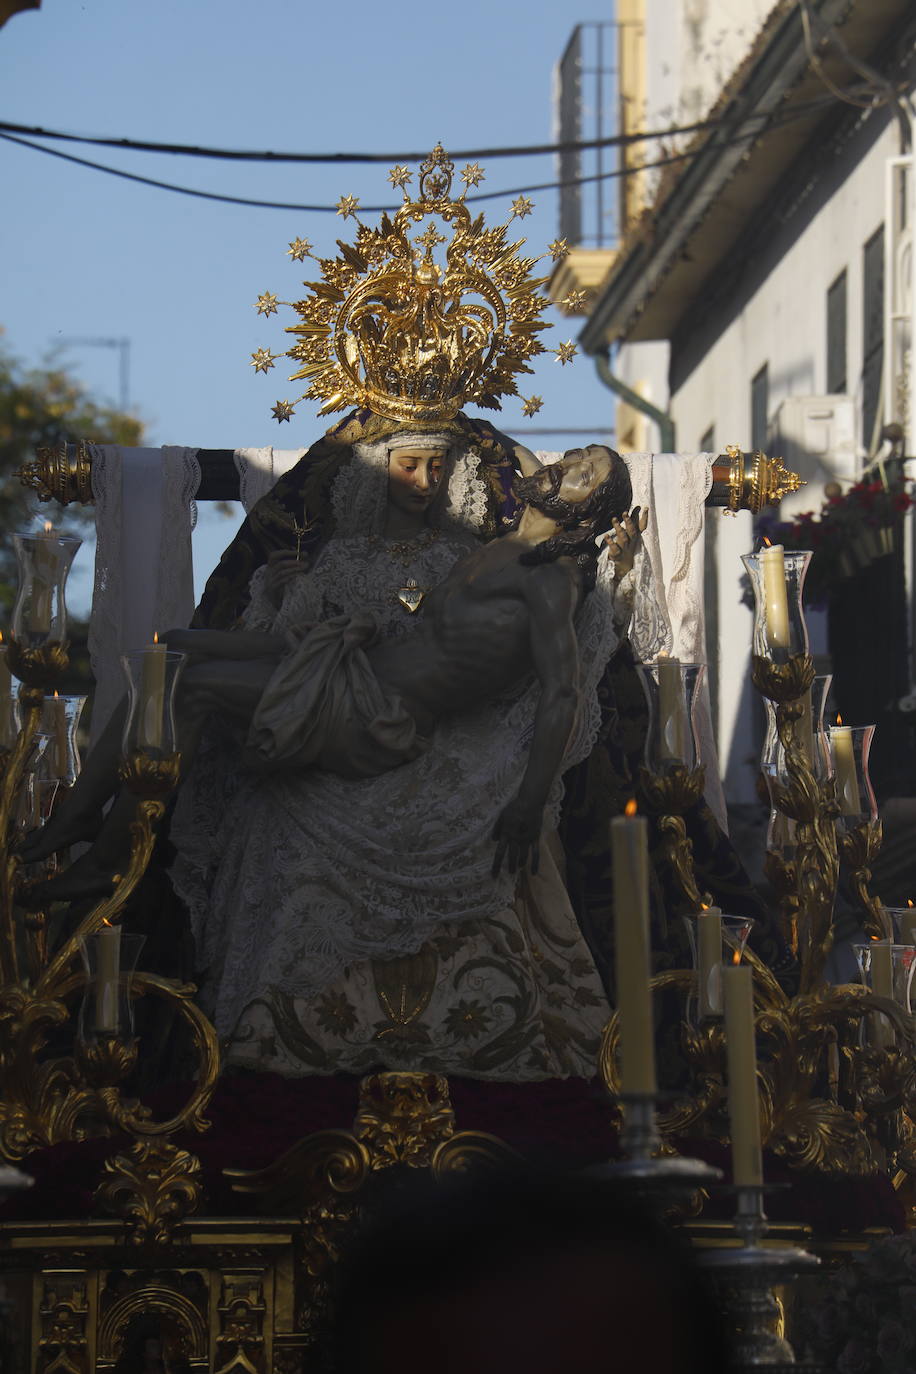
(667,796)
(809,886)
(403,1119)
(151,1187)
(859,848)
(63,1344)
(241,1312)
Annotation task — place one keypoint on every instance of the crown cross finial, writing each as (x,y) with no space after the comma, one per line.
(430,239)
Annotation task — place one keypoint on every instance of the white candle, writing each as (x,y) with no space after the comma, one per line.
(908,925)
(709,961)
(152,696)
(107,978)
(630,857)
(743,1102)
(773,568)
(844,762)
(7,733)
(672,715)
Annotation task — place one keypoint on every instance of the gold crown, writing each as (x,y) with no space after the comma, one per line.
(390,328)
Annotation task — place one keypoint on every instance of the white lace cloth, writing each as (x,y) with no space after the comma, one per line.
(144,579)
(674,487)
(291,879)
(260,468)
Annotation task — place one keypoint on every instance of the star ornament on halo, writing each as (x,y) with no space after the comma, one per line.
(347,206)
(299,250)
(282,410)
(574,302)
(266,304)
(566,352)
(400,177)
(558,249)
(472,175)
(522,206)
(532,405)
(262,360)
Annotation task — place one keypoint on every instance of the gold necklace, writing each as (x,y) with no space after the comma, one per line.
(404,551)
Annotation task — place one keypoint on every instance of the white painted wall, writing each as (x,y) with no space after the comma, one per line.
(784,326)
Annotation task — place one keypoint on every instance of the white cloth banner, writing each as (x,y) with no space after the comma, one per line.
(260,468)
(144,578)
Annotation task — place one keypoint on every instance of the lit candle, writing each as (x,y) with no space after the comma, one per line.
(743,1103)
(672,716)
(773,567)
(844,762)
(709,960)
(7,733)
(42,581)
(107,978)
(61,737)
(152,696)
(630,857)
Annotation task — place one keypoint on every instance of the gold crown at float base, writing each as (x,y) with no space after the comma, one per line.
(414,326)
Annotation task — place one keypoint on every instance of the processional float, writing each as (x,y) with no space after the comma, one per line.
(824,1076)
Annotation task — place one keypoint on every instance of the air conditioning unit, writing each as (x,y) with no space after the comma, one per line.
(816,437)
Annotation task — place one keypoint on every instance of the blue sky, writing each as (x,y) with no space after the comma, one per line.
(89,255)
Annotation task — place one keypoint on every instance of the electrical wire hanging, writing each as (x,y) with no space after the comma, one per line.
(472,155)
(769,121)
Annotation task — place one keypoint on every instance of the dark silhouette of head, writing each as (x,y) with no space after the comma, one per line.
(522,1272)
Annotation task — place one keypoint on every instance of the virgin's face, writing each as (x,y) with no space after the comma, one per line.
(414,475)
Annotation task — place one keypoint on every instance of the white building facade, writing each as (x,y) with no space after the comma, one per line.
(762,292)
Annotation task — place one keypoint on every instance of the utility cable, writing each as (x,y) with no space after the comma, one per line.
(614,174)
(241,155)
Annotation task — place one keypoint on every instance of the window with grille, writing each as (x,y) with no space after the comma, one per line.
(872,334)
(836,336)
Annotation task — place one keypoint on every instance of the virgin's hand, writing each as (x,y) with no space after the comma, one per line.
(623,539)
(517,834)
(282,567)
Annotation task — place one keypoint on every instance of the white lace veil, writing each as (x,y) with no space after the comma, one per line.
(359,498)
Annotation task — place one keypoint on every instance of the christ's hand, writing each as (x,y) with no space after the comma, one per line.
(624,538)
(517,833)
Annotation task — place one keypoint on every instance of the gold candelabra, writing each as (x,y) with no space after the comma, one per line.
(63,1077)
(836,1067)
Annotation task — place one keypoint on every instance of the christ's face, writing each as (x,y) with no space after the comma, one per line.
(414,475)
(583,470)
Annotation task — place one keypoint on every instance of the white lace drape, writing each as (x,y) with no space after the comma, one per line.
(144,580)
(259,469)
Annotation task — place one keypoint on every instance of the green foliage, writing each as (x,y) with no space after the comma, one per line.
(42,407)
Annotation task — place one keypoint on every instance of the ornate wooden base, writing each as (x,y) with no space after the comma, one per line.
(224,1295)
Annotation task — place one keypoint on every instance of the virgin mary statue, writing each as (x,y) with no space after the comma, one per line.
(343,923)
